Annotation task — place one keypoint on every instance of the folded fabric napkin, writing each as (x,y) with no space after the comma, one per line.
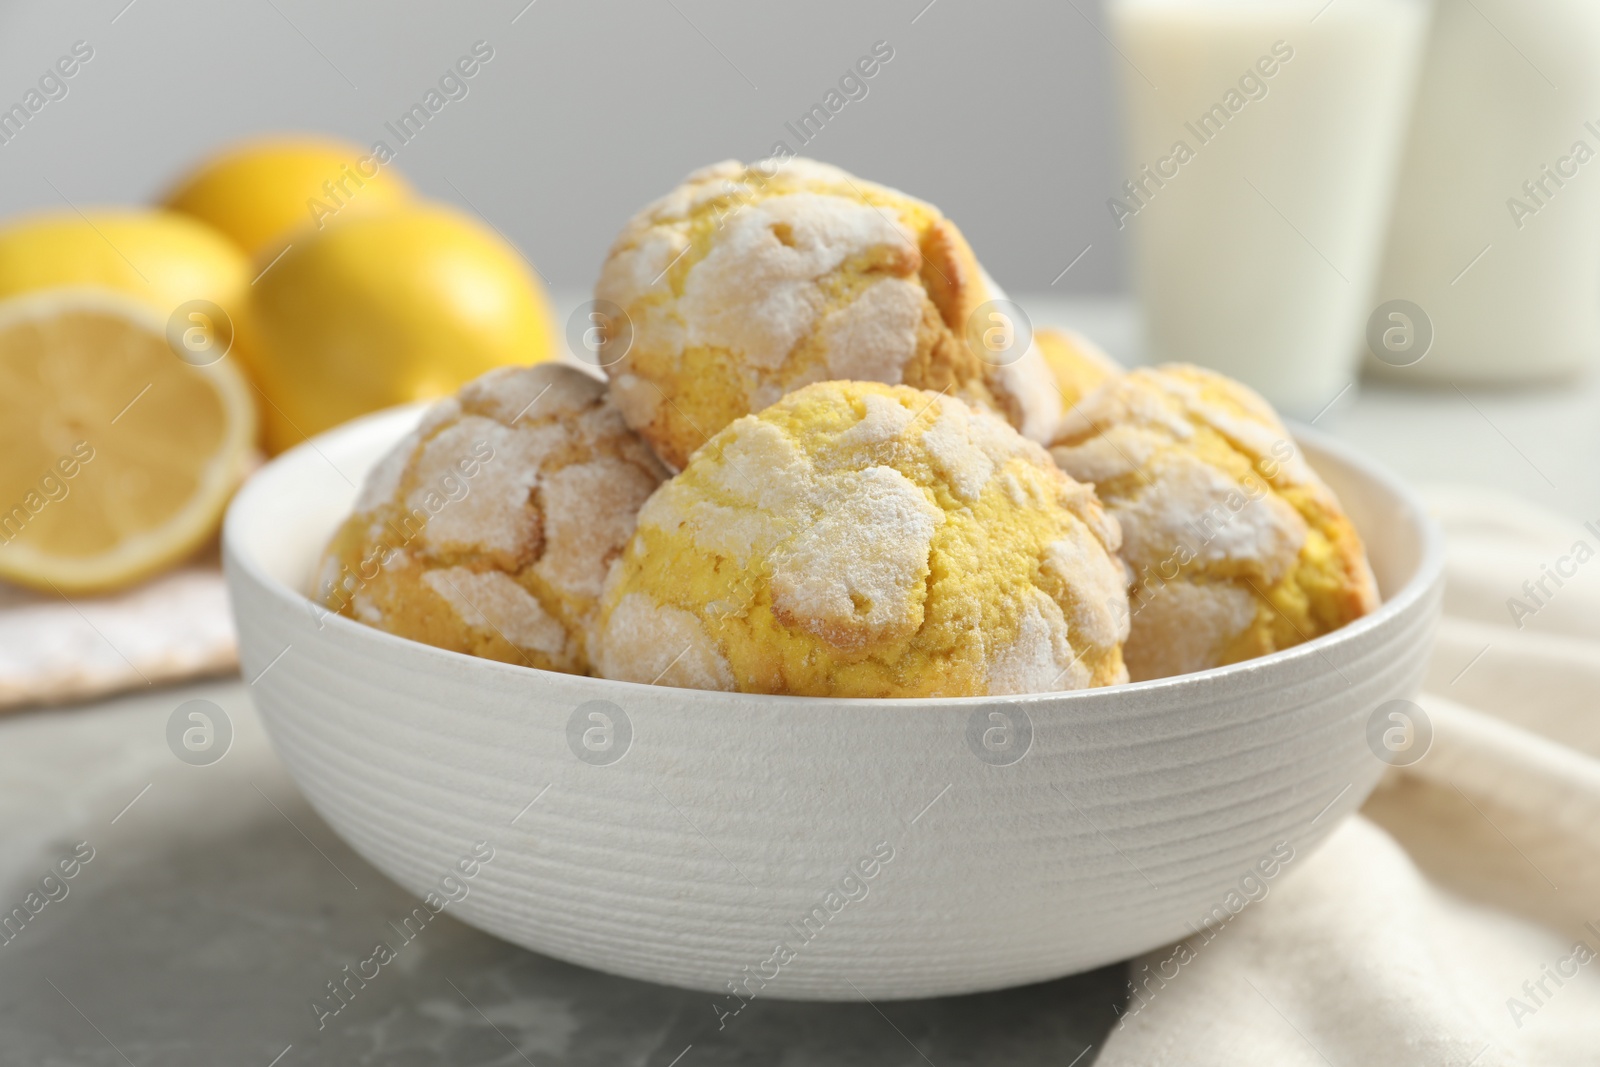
(55,649)
(1456,921)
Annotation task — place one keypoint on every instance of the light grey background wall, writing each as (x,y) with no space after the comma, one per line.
(999,111)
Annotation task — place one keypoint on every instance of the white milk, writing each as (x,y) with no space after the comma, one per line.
(1262,142)
(1496,230)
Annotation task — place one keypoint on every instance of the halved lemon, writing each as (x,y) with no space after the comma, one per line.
(116,454)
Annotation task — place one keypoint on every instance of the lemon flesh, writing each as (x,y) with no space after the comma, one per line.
(116,456)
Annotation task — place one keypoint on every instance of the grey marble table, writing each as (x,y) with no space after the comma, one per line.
(217,906)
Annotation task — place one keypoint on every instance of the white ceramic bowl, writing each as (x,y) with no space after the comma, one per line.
(728,820)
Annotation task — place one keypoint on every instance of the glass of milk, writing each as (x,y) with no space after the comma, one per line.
(1495,238)
(1262,143)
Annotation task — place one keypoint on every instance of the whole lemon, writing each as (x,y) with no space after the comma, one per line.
(386,308)
(262,190)
(159,258)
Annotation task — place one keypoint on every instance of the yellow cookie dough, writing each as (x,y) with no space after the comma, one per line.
(857,539)
(489,529)
(1237,547)
(747,282)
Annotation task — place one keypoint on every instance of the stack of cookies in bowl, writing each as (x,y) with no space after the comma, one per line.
(825,461)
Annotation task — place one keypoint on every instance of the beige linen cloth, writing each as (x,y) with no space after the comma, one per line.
(1456,921)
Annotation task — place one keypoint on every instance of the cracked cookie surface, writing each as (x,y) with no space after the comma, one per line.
(1237,547)
(490,528)
(747,282)
(857,539)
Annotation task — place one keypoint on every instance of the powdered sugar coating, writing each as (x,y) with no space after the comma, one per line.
(755,293)
(873,338)
(858,539)
(660,645)
(1237,548)
(1258,530)
(855,575)
(489,529)
(492,600)
(1195,624)
(746,283)
(1040,658)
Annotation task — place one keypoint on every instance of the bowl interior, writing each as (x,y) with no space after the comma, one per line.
(283,519)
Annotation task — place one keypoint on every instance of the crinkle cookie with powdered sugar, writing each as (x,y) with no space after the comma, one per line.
(747,282)
(1237,548)
(865,540)
(489,529)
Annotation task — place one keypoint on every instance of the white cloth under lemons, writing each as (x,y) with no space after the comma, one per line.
(54,649)
(1456,921)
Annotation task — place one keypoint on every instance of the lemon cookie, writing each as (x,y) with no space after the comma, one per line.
(1236,546)
(747,282)
(1076,363)
(857,539)
(489,529)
